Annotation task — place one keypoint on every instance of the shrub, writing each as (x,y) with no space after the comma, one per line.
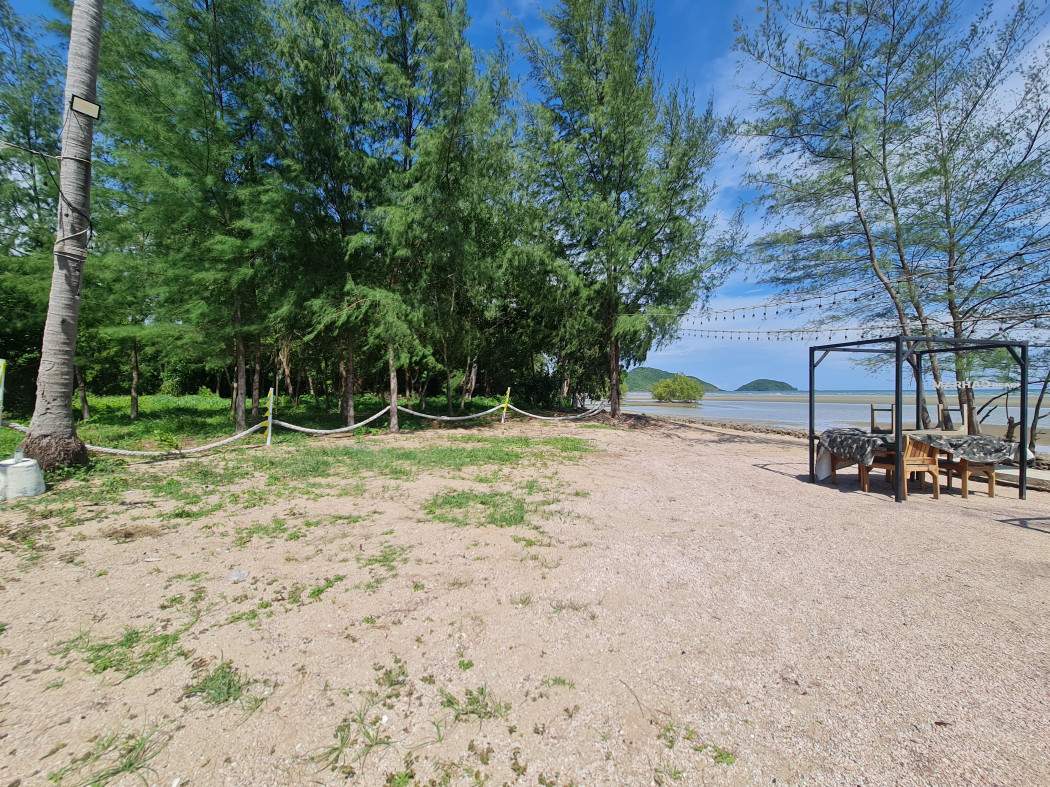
(678,389)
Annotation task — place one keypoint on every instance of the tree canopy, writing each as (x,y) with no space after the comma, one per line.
(339,197)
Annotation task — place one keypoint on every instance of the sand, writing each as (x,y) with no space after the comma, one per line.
(686,609)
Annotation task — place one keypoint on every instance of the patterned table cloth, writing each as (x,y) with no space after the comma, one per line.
(859,446)
(854,444)
(973,448)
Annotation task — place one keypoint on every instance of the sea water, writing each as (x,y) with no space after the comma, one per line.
(764,408)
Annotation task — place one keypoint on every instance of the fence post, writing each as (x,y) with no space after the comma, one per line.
(269,418)
(506,402)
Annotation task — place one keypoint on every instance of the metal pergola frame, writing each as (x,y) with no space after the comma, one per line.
(912,349)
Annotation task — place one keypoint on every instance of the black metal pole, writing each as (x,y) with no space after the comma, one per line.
(898,422)
(812,417)
(918,391)
(1022,470)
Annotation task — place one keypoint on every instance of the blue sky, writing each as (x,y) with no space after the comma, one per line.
(695,42)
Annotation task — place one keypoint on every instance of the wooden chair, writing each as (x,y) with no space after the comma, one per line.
(919,458)
(964,469)
(883,408)
(960,423)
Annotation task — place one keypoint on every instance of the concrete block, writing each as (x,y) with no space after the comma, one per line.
(20,478)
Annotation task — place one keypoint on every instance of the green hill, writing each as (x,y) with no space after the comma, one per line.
(767,385)
(645,377)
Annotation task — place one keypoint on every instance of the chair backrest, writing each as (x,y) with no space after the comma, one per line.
(883,408)
(916,449)
(960,423)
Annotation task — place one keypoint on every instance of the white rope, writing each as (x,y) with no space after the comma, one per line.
(196,450)
(305,430)
(450,417)
(588,414)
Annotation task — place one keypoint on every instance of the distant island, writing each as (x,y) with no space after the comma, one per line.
(645,377)
(767,385)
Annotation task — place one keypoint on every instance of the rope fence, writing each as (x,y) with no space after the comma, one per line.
(269,422)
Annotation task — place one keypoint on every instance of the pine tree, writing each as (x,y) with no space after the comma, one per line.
(622,160)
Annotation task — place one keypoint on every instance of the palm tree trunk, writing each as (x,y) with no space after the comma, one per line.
(52,438)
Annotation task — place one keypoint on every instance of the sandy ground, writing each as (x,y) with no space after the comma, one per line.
(682,608)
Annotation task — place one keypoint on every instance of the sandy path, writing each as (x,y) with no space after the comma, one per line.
(701,615)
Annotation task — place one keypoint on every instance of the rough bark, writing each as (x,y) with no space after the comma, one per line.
(135,381)
(346,368)
(393,387)
(52,438)
(241,384)
(1033,431)
(284,357)
(423,392)
(256,382)
(614,378)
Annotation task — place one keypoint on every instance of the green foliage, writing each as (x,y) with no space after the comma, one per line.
(763,384)
(331,192)
(620,163)
(643,378)
(678,389)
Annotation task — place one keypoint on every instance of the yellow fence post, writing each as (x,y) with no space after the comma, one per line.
(3,379)
(269,418)
(506,402)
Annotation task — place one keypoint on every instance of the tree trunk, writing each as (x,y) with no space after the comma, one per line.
(322,381)
(423,392)
(448,376)
(473,378)
(614,378)
(233,392)
(393,387)
(239,391)
(256,382)
(284,356)
(1035,414)
(85,413)
(969,407)
(135,380)
(52,440)
(218,383)
(346,368)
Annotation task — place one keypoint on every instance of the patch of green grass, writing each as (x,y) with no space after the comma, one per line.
(552,682)
(125,753)
(721,756)
(134,651)
(220,686)
(359,733)
(382,565)
(492,509)
(318,591)
(3,628)
(477,703)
